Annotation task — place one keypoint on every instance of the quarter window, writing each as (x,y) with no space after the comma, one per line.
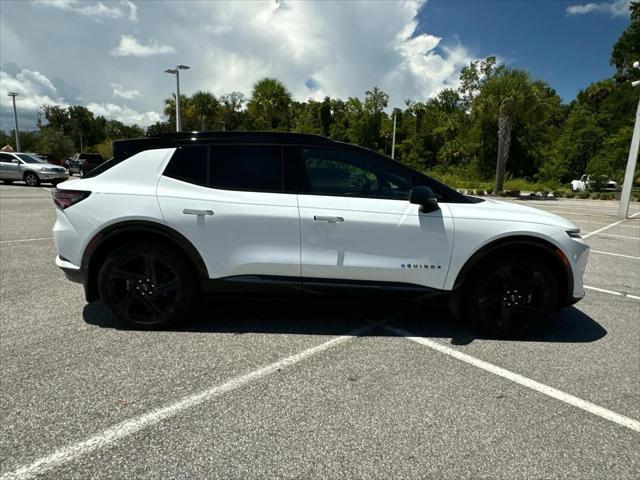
(342,173)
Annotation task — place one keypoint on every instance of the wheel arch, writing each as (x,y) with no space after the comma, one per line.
(552,255)
(121,233)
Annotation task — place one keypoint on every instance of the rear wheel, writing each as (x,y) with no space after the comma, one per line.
(510,296)
(31,179)
(147,285)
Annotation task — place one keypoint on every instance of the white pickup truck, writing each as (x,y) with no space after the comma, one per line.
(588,183)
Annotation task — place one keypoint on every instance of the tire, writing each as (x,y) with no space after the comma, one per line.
(31,179)
(7,182)
(510,296)
(147,285)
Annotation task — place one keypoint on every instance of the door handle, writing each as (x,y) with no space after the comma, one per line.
(319,218)
(191,211)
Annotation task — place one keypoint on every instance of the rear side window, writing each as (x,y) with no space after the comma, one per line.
(253,168)
(189,164)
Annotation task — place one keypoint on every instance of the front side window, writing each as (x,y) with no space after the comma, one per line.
(252,168)
(345,173)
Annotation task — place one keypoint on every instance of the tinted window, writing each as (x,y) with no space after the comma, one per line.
(189,164)
(30,158)
(6,158)
(344,173)
(246,168)
(257,168)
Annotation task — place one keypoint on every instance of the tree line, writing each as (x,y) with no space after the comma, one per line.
(499,124)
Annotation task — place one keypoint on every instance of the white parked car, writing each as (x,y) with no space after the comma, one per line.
(588,183)
(240,214)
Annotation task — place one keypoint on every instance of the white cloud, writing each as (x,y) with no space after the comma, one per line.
(34,90)
(124,114)
(95,9)
(118,91)
(133,10)
(318,48)
(617,8)
(130,46)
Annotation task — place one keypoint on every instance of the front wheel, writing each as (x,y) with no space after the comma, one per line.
(31,179)
(510,296)
(149,286)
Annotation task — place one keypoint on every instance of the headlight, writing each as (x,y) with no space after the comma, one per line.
(574,233)
(47,169)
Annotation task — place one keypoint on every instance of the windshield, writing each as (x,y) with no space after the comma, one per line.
(30,158)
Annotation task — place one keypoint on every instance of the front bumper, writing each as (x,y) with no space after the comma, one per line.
(53,176)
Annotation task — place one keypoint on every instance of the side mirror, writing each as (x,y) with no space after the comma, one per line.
(15,160)
(424,197)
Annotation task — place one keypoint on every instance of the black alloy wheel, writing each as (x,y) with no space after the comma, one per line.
(147,285)
(511,297)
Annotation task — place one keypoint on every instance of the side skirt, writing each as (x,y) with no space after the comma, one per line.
(266,285)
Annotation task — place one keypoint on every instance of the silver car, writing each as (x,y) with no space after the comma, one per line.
(30,168)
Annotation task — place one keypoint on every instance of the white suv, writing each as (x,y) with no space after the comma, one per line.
(241,213)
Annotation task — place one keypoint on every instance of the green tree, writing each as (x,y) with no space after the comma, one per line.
(507,97)
(204,108)
(627,49)
(270,104)
(54,142)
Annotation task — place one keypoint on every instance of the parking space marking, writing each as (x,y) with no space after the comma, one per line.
(26,240)
(590,234)
(133,425)
(611,292)
(612,235)
(575,213)
(522,380)
(615,254)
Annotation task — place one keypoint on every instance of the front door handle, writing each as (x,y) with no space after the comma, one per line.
(319,218)
(191,211)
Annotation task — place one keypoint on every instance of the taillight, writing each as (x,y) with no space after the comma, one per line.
(66,198)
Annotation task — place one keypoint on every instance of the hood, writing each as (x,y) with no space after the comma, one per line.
(498,210)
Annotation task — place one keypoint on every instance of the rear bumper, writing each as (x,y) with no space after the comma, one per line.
(72,272)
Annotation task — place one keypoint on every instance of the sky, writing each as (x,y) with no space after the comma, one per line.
(110,55)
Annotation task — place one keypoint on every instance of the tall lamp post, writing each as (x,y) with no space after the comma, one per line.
(13,96)
(625,195)
(176,71)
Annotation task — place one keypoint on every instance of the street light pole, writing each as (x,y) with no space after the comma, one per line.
(393,141)
(625,195)
(13,96)
(176,71)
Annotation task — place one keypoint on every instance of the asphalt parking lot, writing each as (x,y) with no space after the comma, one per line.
(333,391)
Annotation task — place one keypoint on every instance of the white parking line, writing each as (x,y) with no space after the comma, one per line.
(575,213)
(613,235)
(609,226)
(133,425)
(611,292)
(522,380)
(615,254)
(26,240)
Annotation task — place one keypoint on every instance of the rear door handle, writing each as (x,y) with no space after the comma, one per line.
(191,211)
(319,218)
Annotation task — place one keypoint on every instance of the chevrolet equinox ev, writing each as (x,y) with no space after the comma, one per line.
(246,213)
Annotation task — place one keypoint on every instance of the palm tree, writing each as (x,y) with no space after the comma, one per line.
(270,102)
(204,107)
(509,96)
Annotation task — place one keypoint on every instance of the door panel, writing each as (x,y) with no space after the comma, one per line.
(238,233)
(377,240)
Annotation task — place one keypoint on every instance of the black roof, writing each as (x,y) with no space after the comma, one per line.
(126,148)
(244,137)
